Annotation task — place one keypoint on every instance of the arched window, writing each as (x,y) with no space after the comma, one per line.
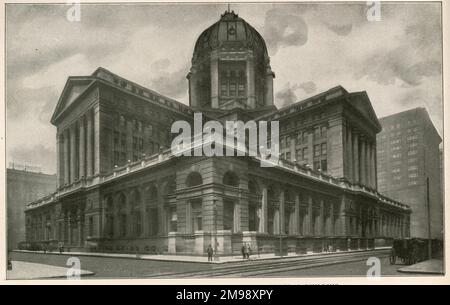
(194,179)
(231,179)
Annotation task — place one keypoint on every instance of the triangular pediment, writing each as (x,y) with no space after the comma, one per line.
(74,87)
(360,101)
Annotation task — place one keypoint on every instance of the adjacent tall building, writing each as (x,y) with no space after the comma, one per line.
(23,186)
(408,154)
(120,188)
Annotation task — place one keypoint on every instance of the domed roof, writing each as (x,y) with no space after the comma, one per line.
(232,33)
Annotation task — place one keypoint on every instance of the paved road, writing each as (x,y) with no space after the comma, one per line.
(344,264)
(107,267)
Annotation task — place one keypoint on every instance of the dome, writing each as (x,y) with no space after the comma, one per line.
(230,33)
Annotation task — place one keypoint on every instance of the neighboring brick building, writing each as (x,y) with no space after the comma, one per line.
(408,153)
(153,201)
(22,187)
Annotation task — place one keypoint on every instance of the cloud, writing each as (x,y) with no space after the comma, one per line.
(282,29)
(288,95)
(308,87)
(38,155)
(341,30)
(172,84)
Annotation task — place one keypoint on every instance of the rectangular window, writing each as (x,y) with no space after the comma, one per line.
(241,90)
(91,226)
(316,165)
(228,215)
(232,89)
(324,149)
(323,165)
(298,154)
(317,150)
(305,153)
(223,89)
(173,219)
(197,220)
(412,152)
(153,221)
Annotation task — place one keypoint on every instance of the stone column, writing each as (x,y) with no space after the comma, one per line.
(322,218)
(214,80)
(282,216)
(362,163)
(332,221)
(89,144)
(369,163)
(80,230)
(237,217)
(193,94)
(374,165)
(188,226)
(263,222)
(66,156)
(59,160)
(97,140)
(350,154)
(250,74)
(143,215)
(82,150)
(269,87)
(73,154)
(310,216)
(355,157)
(296,225)
(69,228)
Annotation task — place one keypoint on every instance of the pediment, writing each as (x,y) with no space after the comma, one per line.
(74,87)
(360,101)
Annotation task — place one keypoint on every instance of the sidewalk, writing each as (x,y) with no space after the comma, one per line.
(432,266)
(31,271)
(196,259)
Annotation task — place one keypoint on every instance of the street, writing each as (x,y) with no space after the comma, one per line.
(342,264)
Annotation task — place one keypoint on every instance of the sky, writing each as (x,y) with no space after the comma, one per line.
(313,47)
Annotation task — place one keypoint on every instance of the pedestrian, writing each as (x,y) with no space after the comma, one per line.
(210,253)
(248,250)
(61,248)
(243,251)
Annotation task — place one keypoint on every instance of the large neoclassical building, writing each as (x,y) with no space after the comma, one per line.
(120,189)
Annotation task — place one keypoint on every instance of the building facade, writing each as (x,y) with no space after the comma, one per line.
(408,153)
(22,187)
(121,189)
